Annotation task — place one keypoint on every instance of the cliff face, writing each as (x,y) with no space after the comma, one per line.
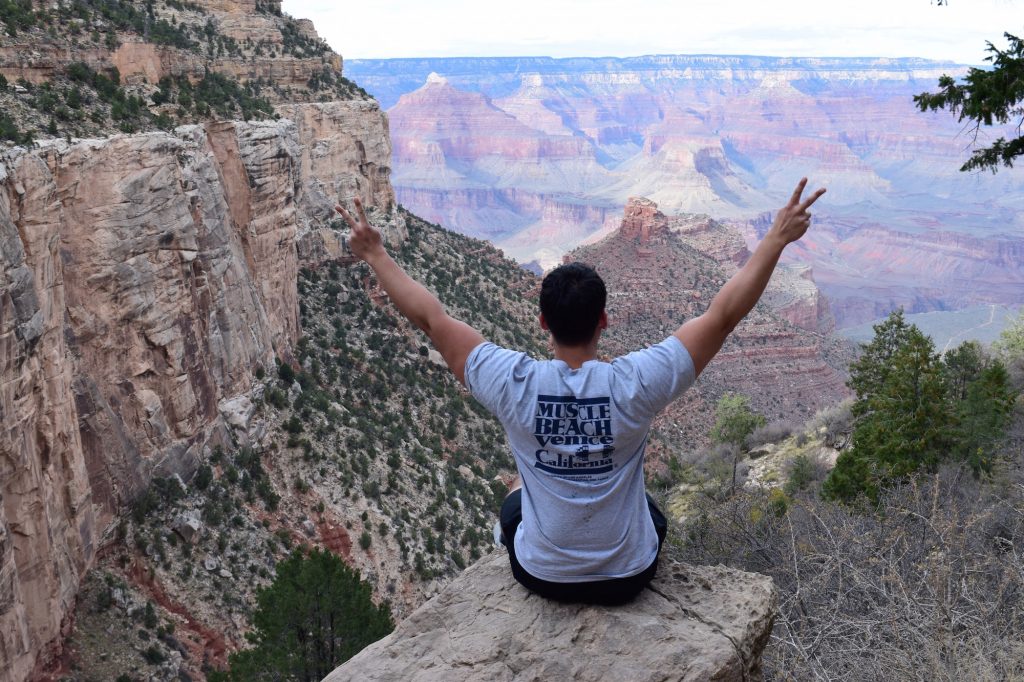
(145,280)
(285,58)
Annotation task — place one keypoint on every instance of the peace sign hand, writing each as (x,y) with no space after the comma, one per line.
(792,220)
(365,241)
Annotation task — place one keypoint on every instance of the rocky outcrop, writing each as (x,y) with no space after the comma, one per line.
(795,297)
(692,623)
(144,281)
(661,271)
(641,219)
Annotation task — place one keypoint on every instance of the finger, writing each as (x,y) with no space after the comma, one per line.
(811,199)
(362,213)
(347,216)
(795,199)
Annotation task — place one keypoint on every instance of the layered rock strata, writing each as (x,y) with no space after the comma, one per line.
(692,623)
(722,135)
(144,281)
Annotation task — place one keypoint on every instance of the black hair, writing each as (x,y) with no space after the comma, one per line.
(572,298)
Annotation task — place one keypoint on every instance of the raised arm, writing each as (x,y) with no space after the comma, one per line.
(703,336)
(452,338)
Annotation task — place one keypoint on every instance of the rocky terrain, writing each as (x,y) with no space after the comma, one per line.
(540,153)
(196,375)
(366,446)
(96,67)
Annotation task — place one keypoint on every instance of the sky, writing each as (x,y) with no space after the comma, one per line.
(377,29)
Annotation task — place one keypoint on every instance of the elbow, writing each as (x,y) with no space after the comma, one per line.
(723,322)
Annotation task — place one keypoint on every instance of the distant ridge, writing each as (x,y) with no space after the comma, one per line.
(386,77)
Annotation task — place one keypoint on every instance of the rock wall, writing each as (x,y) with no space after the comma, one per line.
(693,623)
(143,281)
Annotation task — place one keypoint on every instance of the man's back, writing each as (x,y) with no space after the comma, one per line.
(578,436)
(577,528)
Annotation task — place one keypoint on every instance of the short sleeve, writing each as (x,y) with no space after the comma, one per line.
(662,373)
(489,369)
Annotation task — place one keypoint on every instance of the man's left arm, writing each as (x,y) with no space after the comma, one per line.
(703,336)
(452,338)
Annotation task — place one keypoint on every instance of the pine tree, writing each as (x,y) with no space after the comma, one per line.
(734,421)
(904,417)
(314,616)
(1010,349)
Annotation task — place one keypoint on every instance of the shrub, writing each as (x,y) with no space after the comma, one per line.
(771,433)
(203,477)
(926,589)
(836,423)
(153,655)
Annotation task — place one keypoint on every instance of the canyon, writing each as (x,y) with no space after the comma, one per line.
(191,358)
(539,154)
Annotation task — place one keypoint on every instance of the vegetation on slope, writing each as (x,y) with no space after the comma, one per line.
(85,98)
(921,577)
(916,410)
(316,615)
(376,454)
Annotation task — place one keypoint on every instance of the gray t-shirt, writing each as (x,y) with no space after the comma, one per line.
(578,436)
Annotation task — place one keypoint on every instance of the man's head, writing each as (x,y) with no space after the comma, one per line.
(572,299)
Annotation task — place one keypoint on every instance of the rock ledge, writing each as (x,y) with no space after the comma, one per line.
(694,623)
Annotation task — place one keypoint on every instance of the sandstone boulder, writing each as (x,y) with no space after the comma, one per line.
(187,526)
(694,623)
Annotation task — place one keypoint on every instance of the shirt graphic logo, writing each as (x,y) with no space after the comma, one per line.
(579,433)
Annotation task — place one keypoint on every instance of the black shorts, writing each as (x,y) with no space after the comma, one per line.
(608,592)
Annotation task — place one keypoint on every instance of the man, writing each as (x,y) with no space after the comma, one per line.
(581,527)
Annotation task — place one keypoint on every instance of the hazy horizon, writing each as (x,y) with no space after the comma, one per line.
(569,28)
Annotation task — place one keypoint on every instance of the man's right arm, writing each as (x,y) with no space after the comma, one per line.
(453,338)
(703,336)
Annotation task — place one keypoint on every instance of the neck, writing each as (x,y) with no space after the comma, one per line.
(575,356)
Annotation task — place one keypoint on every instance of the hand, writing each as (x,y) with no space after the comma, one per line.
(365,240)
(792,220)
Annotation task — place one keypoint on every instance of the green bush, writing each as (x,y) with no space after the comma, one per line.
(153,655)
(203,477)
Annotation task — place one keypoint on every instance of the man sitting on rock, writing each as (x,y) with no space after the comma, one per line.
(581,527)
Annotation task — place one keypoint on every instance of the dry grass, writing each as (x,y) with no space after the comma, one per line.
(928,587)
